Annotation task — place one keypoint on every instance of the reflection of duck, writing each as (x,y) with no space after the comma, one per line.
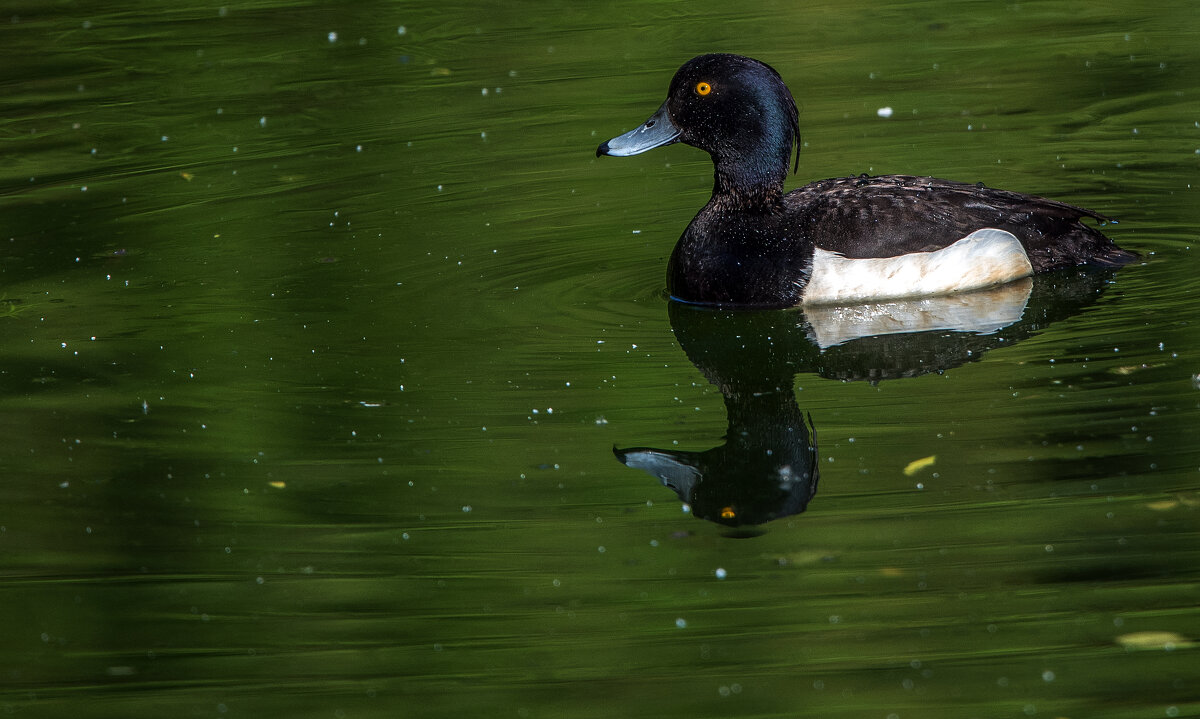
(768,467)
(842,240)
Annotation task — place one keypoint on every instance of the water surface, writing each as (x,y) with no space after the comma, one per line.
(319,327)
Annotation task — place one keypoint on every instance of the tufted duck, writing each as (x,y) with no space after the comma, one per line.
(837,241)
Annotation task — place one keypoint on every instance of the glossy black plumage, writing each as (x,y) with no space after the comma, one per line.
(754,245)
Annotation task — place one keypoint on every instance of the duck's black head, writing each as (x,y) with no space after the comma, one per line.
(735,108)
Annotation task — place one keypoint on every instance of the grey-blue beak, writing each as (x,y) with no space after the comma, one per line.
(655,132)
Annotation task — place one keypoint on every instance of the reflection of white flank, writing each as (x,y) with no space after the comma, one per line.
(979,312)
(981,259)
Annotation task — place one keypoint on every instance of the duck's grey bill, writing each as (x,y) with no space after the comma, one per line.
(655,132)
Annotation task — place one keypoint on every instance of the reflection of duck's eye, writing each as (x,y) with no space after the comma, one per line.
(726,512)
(703,88)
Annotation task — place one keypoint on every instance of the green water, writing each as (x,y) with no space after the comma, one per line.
(314,351)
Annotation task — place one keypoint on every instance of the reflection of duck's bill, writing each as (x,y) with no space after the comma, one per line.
(979,312)
(654,132)
(673,470)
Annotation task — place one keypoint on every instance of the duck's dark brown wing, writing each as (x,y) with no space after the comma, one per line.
(890,215)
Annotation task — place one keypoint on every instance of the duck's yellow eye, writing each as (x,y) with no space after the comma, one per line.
(726,512)
(703,88)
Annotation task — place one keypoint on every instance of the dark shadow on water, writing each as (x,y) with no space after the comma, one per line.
(767,467)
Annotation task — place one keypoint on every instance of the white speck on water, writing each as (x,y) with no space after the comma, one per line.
(681,623)
(466,508)
(884,112)
(262,121)
(720,572)
(401,30)
(332,36)
(483,91)
(1047,676)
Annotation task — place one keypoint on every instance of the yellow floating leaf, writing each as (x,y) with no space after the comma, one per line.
(1153,640)
(802,557)
(277,484)
(918,464)
(1130,369)
(1190,499)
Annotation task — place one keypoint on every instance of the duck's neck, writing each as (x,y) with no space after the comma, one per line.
(751,177)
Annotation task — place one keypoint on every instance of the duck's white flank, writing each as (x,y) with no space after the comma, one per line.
(981,259)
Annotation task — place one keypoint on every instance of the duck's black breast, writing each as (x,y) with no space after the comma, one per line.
(738,256)
(892,215)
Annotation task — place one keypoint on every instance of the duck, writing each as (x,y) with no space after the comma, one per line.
(837,241)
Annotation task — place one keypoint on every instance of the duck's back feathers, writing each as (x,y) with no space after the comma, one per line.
(890,215)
